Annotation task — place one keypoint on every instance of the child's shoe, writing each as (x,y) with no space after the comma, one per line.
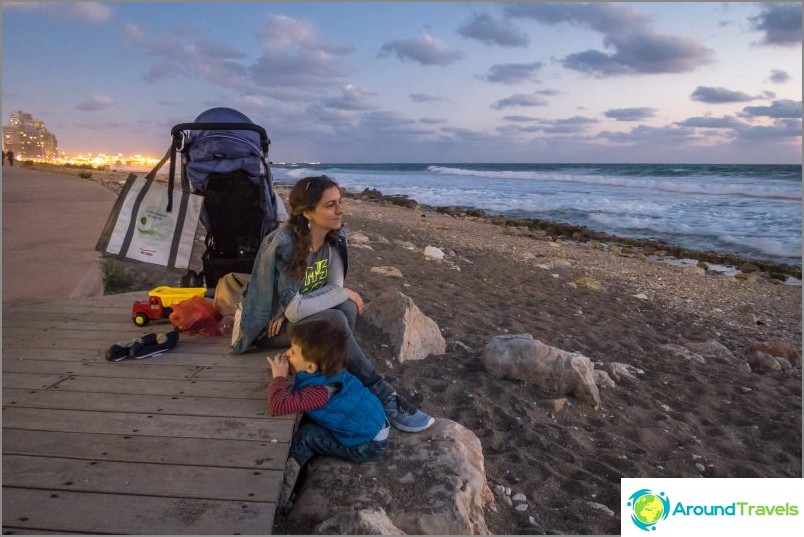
(160,344)
(404,416)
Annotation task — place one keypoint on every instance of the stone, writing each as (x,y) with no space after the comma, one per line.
(791,354)
(603,380)
(372,521)
(433,253)
(520,357)
(413,334)
(589,283)
(447,496)
(710,349)
(391,272)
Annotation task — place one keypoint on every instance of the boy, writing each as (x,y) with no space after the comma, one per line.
(344,418)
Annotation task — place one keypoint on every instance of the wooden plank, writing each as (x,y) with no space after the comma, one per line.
(74,355)
(138,515)
(14,530)
(192,388)
(130,424)
(125,369)
(30,380)
(138,403)
(59,321)
(236,374)
(96,341)
(148,449)
(141,479)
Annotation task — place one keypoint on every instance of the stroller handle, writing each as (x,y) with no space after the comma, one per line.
(264,141)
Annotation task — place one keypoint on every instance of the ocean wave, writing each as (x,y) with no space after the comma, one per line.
(767,246)
(787,191)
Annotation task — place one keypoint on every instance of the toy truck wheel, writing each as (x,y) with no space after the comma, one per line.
(141,319)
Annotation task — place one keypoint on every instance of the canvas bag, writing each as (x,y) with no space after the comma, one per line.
(229,291)
(145,225)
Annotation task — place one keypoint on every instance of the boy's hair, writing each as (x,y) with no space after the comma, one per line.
(321,343)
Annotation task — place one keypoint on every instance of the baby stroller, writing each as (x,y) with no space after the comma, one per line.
(223,156)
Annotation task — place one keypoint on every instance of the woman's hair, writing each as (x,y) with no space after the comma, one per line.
(304,196)
(321,343)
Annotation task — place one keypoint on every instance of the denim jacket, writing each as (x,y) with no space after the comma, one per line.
(271,287)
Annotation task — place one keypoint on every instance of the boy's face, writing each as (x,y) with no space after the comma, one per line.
(297,361)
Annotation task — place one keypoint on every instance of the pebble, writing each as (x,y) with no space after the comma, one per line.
(521,507)
(700,467)
(519,497)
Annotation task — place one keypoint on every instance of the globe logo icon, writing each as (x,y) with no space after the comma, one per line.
(648,508)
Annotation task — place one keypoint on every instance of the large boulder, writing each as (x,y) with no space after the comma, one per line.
(520,357)
(429,483)
(413,334)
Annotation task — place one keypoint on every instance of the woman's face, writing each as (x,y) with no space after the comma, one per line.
(328,211)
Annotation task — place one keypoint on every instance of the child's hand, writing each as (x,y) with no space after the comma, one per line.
(279,365)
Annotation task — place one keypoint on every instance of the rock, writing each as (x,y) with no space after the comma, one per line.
(641,296)
(603,380)
(710,349)
(357,238)
(433,253)
(791,354)
(519,497)
(698,271)
(372,521)
(682,352)
(589,283)
(413,334)
(406,245)
(618,371)
(447,495)
(391,272)
(554,406)
(520,357)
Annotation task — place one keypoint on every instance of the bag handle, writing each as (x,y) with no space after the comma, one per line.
(171,155)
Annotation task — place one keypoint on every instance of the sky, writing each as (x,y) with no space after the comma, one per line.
(451,82)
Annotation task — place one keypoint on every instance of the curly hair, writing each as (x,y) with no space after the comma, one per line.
(304,196)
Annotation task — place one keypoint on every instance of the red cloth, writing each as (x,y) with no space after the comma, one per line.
(196,316)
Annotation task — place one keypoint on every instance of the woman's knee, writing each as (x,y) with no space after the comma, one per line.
(336,317)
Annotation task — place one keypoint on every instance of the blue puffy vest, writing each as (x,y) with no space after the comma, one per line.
(353,414)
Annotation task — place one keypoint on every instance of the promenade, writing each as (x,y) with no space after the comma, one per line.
(174,444)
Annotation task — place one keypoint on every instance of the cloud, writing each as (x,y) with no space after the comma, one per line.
(644,135)
(513,73)
(783,109)
(96,103)
(520,119)
(604,18)
(351,98)
(432,121)
(295,56)
(214,62)
(726,122)
(781,23)
(780,130)
(426,50)
(94,12)
(521,99)
(641,53)
(636,48)
(712,95)
(778,76)
(630,114)
(426,98)
(494,32)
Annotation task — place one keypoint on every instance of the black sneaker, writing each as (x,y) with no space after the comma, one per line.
(119,351)
(162,343)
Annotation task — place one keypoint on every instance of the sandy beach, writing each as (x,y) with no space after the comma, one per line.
(678,416)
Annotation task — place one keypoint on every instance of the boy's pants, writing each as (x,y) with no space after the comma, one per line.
(311,439)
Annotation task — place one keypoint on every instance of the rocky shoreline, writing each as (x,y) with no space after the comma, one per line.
(624,245)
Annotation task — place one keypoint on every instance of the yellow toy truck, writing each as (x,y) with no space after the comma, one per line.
(161,301)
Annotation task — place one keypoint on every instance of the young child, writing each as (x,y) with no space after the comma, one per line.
(345,419)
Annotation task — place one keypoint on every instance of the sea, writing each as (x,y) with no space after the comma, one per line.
(753,211)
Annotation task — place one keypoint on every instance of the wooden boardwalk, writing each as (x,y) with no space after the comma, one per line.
(173,444)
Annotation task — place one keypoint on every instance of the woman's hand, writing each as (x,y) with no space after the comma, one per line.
(354,297)
(279,365)
(276,325)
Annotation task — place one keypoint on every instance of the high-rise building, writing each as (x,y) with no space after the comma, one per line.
(28,137)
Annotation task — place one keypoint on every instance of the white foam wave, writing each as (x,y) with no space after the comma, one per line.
(773,247)
(683,185)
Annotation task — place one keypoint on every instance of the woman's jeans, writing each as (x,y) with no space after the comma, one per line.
(344,317)
(311,439)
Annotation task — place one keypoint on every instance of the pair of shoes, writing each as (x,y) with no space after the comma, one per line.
(119,351)
(143,347)
(404,416)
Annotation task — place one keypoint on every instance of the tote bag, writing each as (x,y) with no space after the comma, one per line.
(140,227)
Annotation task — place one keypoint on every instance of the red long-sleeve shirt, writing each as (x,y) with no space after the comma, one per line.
(282,401)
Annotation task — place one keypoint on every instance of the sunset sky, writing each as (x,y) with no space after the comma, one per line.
(418,82)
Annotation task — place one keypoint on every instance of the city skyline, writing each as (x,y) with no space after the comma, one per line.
(408,82)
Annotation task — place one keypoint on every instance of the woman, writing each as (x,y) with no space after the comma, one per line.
(298,276)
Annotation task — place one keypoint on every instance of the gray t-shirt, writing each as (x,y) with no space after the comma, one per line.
(322,287)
